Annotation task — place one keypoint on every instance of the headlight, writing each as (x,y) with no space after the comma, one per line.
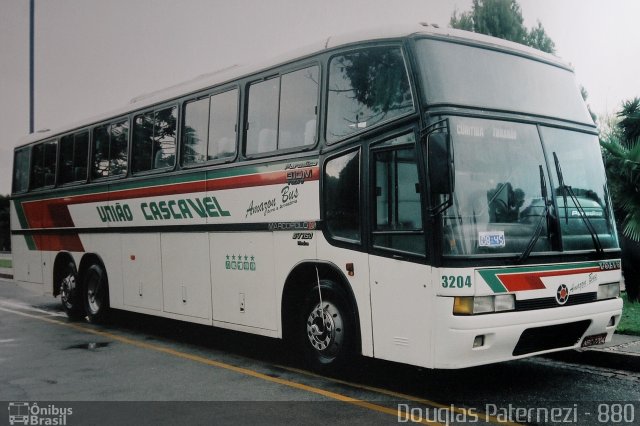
(471,305)
(608,291)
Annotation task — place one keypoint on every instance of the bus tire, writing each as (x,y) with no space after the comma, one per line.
(71,293)
(96,294)
(327,337)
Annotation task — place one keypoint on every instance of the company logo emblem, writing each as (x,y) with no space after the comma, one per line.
(562,295)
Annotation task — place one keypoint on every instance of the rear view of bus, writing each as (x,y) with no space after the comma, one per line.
(529,251)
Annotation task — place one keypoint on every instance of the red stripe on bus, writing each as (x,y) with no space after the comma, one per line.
(532,281)
(57,242)
(54,213)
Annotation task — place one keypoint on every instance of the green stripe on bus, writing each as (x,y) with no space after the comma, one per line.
(31,243)
(5,263)
(491,275)
(163,179)
(492,280)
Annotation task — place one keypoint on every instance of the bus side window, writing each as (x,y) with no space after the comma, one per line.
(366,87)
(43,164)
(342,196)
(222,125)
(154,140)
(262,117)
(21,170)
(298,104)
(282,112)
(109,149)
(73,157)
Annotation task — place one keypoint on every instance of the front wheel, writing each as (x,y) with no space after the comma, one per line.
(96,292)
(71,293)
(328,328)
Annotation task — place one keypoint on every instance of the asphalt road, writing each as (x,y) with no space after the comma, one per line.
(145,370)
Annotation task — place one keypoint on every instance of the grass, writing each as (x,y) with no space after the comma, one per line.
(5,263)
(630,322)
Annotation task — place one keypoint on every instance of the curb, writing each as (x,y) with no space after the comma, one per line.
(613,356)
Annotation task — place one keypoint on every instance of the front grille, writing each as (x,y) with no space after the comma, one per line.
(550,302)
(550,337)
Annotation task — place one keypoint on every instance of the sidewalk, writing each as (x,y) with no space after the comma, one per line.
(622,353)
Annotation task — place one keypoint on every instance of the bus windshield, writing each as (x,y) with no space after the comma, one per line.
(501,196)
(457,74)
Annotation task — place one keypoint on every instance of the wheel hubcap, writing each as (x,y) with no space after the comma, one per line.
(66,287)
(325,329)
(93,295)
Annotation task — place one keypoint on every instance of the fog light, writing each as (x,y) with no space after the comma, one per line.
(608,291)
(612,322)
(478,341)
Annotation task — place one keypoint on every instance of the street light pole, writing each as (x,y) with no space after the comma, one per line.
(31,64)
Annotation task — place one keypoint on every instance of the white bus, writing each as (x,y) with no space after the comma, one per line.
(421,195)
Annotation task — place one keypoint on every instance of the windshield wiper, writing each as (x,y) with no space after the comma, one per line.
(583,215)
(543,217)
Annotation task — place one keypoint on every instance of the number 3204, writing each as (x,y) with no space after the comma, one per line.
(456,281)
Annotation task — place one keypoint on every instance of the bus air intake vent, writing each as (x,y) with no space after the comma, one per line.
(550,337)
(550,302)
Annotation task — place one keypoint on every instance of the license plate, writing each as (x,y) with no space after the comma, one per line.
(597,339)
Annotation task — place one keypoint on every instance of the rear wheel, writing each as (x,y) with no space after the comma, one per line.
(71,293)
(96,294)
(327,329)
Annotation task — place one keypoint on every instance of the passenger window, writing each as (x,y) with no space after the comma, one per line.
(223,125)
(74,150)
(43,164)
(366,88)
(210,128)
(398,211)
(342,196)
(282,112)
(21,170)
(154,140)
(110,143)
(298,101)
(262,133)
(195,133)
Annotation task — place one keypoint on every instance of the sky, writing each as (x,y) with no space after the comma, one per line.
(93,56)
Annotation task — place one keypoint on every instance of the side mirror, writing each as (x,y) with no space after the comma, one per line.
(440,164)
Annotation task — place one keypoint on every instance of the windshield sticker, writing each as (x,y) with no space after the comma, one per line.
(467,130)
(501,133)
(491,239)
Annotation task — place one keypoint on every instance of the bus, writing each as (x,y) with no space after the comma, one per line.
(420,195)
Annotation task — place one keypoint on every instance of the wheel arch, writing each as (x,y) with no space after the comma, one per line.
(303,277)
(91,259)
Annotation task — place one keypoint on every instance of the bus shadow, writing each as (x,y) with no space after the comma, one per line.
(496,383)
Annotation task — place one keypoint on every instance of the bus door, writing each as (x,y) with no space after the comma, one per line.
(399,277)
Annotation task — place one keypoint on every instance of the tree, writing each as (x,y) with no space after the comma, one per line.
(503,19)
(622,157)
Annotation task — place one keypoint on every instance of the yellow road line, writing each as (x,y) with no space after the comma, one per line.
(245,371)
(405,396)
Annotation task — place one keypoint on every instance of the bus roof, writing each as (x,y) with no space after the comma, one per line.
(233,72)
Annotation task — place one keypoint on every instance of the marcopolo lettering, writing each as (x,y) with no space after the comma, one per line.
(183,209)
